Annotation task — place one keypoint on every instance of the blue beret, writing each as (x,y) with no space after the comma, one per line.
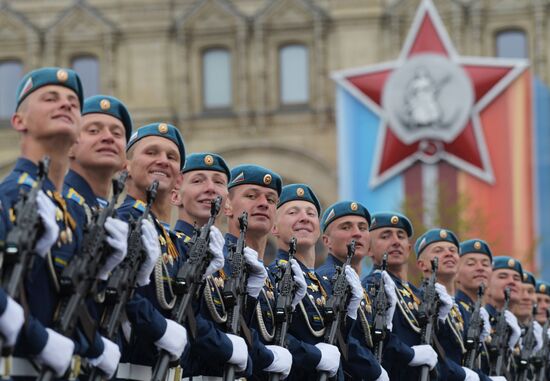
(105,104)
(543,287)
(475,246)
(205,161)
(391,220)
(508,263)
(529,278)
(163,130)
(435,235)
(299,192)
(341,209)
(255,175)
(38,78)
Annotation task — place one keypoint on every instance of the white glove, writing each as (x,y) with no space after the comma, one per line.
(470,374)
(498,378)
(486,329)
(239,356)
(423,355)
(537,331)
(445,301)
(117,238)
(300,281)
(216,248)
(257,272)
(46,211)
(356,292)
(57,353)
(383,376)
(512,322)
(282,361)
(391,294)
(108,360)
(11,321)
(174,339)
(330,358)
(150,239)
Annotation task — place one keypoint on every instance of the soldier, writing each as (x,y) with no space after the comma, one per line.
(345,221)
(390,233)
(474,269)
(444,245)
(255,190)
(543,301)
(48,117)
(154,152)
(205,176)
(507,273)
(98,154)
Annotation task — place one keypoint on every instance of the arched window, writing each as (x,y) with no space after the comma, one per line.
(216,79)
(11,72)
(87,68)
(293,74)
(511,44)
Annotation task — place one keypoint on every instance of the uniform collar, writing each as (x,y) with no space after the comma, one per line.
(185,228)
(79,184)
(25,165)
(462,297)
(332,260)
(230,239)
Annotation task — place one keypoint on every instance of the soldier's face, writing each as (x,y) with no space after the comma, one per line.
(447,253)
(543,303)
(342,230)
(259,202)
(101,143)
(502,278)
(154,158)
(528,298)
(473,270)
(49,112)
(198,189)
(393,241)
(298,219)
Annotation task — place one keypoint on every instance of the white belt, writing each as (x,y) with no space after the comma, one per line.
(134,372)
(17,366)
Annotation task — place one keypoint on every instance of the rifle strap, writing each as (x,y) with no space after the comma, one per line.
(191,322)
(342,345)
(438,348)
(245,332)
(23,301)
(87,322)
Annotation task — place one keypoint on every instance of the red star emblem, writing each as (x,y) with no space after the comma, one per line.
(485,79)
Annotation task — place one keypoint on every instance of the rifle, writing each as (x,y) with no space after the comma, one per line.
(473,334)
(527,350)
(542,356)
(79,278)
(499,343)
(122,282)
(283,309)
(234,290)
(427,315)
(336,307)
(17,255)
(188,280)
(380,306)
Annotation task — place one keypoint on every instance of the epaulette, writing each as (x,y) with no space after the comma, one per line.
(465,305)
(72,194)
(26,179)
(185,237)
(139,205)
(281,261)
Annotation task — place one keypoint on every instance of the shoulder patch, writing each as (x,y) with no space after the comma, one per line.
(139,205)
(26,179)
(72,194)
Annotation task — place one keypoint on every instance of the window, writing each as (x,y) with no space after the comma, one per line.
(293,74)
(10,75)
(511,44)
(216,81)
(87,68)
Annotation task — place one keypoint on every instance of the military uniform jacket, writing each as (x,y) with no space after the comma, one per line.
(40,281)
(146,320)
(212,349)
(406,330)
(361,363)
